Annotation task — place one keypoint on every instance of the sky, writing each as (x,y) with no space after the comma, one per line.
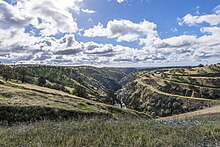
(118,33)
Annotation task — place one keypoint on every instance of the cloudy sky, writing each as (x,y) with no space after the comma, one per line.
(110,32)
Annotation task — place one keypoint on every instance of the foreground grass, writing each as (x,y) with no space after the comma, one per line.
(111,133)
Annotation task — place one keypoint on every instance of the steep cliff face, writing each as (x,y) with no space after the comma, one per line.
(158,94)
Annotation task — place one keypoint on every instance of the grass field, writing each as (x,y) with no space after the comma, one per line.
(113,133)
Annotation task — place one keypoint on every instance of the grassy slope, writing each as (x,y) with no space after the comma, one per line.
(19,100)
(111,133)
(99,132)
(209,113)
(98,82)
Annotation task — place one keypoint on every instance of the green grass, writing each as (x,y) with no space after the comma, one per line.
(97,132)
(70,89)
(5,96)
(65,107)
(85,107)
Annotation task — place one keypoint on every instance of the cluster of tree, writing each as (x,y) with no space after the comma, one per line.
(214,67)
(40,76)
(20,73)
(84,81)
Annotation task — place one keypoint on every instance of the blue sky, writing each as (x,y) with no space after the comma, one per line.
(163,13)
(110,32)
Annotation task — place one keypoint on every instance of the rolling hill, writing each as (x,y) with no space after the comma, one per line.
(96,83)
(90,91)
(28,102)
(52,114)
(166,92)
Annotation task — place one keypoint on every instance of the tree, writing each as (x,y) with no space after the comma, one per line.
(163,75)
(7,72)
(22,74)
(200,65)
(41,81)
(81,91)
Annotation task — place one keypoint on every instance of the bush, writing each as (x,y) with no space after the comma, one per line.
(7,72)
(200,65)
(81,91)
(41,81)
(23,74)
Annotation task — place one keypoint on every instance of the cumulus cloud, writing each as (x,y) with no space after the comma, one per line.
(122,30)
(10,17)
(52,17)
(176,42)
(212,19)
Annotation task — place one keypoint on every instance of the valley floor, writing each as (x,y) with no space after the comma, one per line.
(97,132)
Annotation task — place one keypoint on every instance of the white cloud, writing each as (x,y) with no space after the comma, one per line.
(88,11)
(176,41)
(174,29)
(212,19)
(120,1)
(10,17)
(122,30)
(16,45)
(55,15)
(217,9)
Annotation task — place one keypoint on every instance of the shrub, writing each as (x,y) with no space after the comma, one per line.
(41,81)
(7,72)
(81,91)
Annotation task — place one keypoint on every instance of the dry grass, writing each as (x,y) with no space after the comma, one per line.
(97,132)
(27,97)
(208,113)
(140,81)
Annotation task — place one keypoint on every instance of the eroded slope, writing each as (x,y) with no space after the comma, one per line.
(173,91)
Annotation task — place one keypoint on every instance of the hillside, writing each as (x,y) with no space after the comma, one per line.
(205,114)
(27,102)
(33,115)
(166,92)
(89,82)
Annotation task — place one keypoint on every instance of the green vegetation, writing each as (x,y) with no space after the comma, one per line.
(41,81)
(26,102)
(6,72)
(74,104)
(85,107)
(83,81)
(173,91)
(96,132)
(5,95)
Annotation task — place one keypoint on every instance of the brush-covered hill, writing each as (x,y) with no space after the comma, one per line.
(166,92)
(85,81)
(94,83)
(28,102)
